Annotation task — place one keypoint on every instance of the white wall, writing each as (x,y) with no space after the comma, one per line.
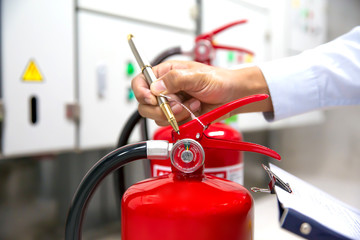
(328,154)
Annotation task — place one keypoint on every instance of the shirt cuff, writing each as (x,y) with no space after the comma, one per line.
(293,86)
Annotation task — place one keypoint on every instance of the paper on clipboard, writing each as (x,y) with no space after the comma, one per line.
(318,205)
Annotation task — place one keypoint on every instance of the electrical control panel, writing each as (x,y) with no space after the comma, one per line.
(67,68)
(308,24)
(37,76)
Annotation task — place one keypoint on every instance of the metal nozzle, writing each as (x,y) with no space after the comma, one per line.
(165,107)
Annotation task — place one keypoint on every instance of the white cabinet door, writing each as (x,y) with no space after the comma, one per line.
(37,76)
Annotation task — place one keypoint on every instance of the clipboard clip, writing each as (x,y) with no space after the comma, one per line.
(274,181)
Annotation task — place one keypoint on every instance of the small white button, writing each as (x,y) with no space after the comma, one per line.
(305,228)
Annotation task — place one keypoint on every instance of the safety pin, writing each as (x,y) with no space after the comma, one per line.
(274,180)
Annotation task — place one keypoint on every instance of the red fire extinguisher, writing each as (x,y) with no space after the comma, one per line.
(186,204)
(205,46)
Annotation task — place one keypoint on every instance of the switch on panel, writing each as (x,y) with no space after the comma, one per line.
(130,73)
(130,69)
(308,23)
(101,75)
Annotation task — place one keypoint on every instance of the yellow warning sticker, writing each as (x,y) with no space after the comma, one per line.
(32,73)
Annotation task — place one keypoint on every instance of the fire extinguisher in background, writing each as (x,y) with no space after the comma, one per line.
(205,45)
(186,204)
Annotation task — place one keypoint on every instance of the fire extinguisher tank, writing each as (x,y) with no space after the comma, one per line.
(187,206)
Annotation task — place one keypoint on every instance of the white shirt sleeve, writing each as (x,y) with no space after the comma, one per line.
(328,75)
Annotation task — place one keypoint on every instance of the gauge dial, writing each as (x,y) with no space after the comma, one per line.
(187,155)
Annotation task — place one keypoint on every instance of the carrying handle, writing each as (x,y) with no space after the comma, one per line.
(193,129)
(205,44)
(210,34)
(239,146)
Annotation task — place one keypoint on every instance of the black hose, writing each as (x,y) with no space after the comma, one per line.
(92,179)
(165,54)
(119,175)
(128,128)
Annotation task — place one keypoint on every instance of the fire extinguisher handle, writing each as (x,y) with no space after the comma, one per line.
(231,48)
(209,35)
(239,146)
(194,129)
(208,38)
(223,110)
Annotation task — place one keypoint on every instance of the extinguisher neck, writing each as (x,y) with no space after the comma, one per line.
(198,175)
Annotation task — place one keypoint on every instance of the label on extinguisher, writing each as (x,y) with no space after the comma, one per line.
(233,173)
(159,170)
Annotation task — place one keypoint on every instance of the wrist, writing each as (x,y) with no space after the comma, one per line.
(251,81)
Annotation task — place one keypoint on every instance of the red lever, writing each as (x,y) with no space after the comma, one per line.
(195,129)
(209,35)
(204,44)
(240,146)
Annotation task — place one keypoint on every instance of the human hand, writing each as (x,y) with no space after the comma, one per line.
(198,86)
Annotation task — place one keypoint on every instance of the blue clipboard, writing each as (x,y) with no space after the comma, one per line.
(308,211)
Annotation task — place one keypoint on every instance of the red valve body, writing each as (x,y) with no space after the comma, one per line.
(222,163)
(197,206)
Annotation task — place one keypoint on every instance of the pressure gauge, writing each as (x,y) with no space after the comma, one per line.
(187,155)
